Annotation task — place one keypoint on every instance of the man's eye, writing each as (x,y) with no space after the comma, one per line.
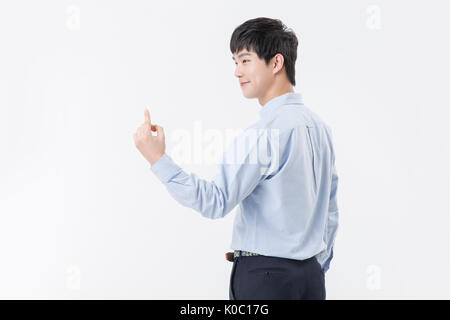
(242,61)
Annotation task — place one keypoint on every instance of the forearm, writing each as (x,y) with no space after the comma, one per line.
(191,191)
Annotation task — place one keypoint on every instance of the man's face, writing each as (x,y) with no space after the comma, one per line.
(251,69)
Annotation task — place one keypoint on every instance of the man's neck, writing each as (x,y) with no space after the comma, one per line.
(274,93)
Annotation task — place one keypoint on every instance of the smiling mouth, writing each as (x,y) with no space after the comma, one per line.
(242,83)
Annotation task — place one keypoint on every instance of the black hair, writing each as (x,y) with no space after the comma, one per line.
(267,37)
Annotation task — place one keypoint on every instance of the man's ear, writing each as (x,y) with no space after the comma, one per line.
(278,62)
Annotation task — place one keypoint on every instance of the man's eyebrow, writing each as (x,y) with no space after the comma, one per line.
(243,54)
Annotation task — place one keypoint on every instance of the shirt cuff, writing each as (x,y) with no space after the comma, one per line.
(165,168)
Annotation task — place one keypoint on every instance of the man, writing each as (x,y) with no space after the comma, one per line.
(285,227)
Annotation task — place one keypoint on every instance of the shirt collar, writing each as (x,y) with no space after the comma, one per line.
(274,103)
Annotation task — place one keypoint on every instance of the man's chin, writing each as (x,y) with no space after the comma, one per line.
(248,95)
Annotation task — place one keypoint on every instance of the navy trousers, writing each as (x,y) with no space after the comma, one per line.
(274,278)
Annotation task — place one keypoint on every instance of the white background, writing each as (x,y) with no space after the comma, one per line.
(82,215)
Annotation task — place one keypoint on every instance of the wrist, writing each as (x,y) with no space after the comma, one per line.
(155,159)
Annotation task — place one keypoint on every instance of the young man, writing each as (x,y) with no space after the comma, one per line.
(285,227)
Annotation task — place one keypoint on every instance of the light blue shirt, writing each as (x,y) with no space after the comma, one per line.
(281,174)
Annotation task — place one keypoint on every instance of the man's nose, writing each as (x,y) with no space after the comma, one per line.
(237,72)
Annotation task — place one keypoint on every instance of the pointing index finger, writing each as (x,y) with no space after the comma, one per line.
(147,115)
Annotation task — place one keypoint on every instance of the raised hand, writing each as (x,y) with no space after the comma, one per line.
(152,147)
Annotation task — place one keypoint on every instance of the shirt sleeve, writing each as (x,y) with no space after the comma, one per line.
(244,164)
(326,256)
